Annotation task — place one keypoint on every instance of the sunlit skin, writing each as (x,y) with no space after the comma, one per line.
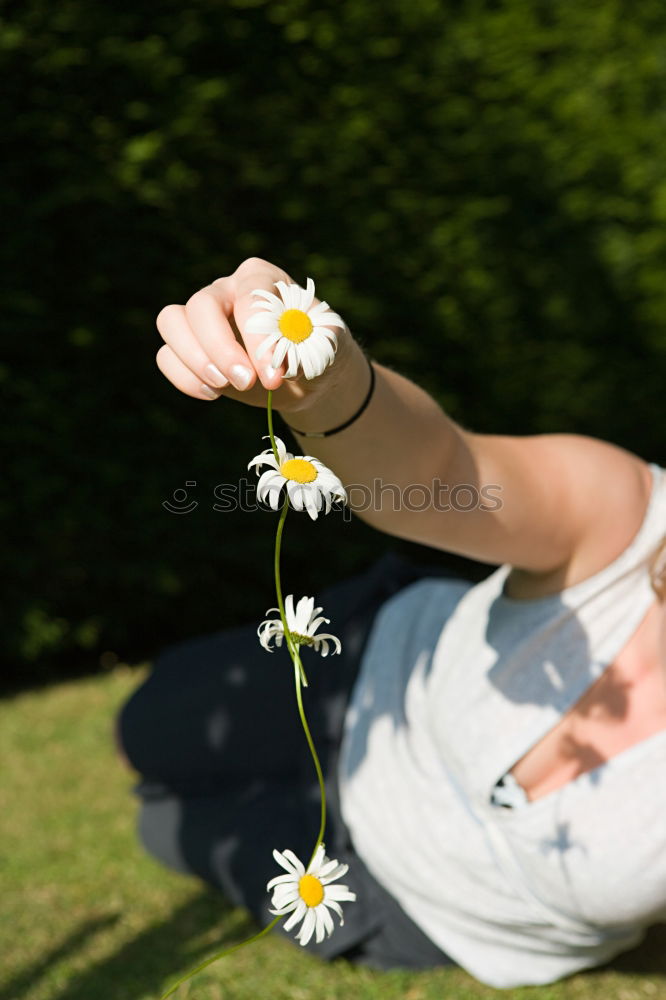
(626,705)
(662,641)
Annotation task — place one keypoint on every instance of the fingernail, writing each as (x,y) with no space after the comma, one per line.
(215,376)
(270,371)
(240,376)
(207,391)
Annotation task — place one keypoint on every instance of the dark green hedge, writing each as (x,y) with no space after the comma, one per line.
(478,187)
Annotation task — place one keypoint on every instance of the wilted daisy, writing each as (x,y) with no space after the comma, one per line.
(308,895)
(295,328)
(303,623)
(308,481)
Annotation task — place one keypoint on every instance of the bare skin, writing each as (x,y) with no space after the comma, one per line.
(625,706)
(569,505)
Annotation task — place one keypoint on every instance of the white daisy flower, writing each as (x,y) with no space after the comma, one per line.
(308,895)
(295,329)
(308,481)
(303,623)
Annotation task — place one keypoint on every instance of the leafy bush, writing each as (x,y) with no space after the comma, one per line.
(477,187)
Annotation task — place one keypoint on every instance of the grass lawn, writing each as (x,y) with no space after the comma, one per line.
(87,915)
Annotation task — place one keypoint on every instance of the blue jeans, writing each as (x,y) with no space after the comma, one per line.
(226,774)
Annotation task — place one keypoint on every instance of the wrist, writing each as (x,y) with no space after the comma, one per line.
(350,420)
(334,398)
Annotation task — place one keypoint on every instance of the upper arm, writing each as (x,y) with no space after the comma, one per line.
(566,505)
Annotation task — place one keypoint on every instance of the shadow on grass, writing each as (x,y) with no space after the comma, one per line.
(649,959)
(149,963)
(24,980)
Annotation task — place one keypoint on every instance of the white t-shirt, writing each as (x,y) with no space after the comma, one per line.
(457,682)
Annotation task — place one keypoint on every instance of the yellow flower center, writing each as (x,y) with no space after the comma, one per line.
(299,470)
(295,325)
(311,890)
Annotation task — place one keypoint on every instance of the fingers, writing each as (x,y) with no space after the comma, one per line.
(182,377)
(208,315)
(209,347)
(252,274)
(233,295)
(178,335)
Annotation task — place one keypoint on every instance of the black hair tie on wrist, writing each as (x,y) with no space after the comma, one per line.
(341,427)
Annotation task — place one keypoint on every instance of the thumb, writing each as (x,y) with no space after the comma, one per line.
(286,329)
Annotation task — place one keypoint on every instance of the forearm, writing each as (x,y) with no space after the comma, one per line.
(538,502)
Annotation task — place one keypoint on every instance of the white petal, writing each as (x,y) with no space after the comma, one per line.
(268,491)
(295,491)
(320,467)
(327,336)
(261,323)
(269,296)
(294,292)
(283,912)
(309,368)
(332,870)
(327,342)
(317,311)
(270,479)
(331,319)
(280,351)
(265,641)
(318,860)
(303,613)
(307,296)
(334,906)
(285,292)
(290,879)
(283,454)
(339,893)
(288,860)
(312,505)
(292,358)
(298,914)
(308,927)
(320,925)
(284,895)
(266,344)
(273,497)
(336,642)
(266,458)
(289,610)
(327,920)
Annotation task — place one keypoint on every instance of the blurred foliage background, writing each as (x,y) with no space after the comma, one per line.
(478,187)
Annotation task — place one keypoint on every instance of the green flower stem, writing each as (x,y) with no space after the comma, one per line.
(220,954)
(299,672)
(292,645)
(269,414)
(315,758)
(301,681)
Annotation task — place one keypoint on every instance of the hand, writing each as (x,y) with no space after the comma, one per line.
(207,354)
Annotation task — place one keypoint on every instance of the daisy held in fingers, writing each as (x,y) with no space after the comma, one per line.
(295,329)
(305,894)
